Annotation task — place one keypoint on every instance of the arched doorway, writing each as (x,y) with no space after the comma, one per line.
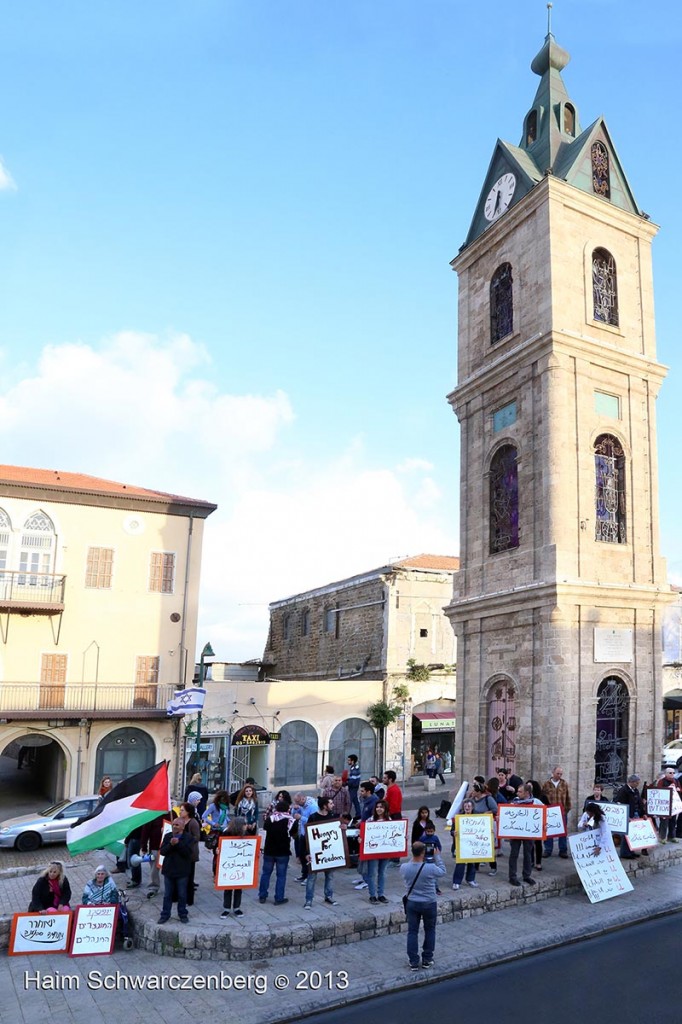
(353,736)
(122,753)
(32,766)
(501,716)
(611,746)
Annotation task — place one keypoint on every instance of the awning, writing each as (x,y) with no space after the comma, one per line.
(672,701)
(436,721)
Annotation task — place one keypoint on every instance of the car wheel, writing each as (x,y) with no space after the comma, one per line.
(27,842)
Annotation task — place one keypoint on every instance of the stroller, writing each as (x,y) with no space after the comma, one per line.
(124,920)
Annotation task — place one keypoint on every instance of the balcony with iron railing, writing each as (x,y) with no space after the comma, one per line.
(22,700)
(32,591)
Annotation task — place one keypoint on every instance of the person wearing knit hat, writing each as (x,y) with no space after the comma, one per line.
(101,889)
(193,787)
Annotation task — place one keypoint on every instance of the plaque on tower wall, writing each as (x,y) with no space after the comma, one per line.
(613,645)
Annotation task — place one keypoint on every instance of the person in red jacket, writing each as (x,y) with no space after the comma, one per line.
(394,795)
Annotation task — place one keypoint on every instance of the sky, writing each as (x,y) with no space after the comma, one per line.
(226,233)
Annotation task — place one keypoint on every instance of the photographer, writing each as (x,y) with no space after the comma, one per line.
(421,876)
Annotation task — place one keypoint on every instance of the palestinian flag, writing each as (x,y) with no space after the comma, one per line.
(131,803)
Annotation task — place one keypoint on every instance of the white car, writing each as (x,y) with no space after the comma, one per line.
(672,754)
(30,831)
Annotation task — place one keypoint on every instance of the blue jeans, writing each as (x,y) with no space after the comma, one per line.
(310,885)
(548,845)
(419,911)
(280,864)
(458,874)
(174,887)
(353,793)
(375,876)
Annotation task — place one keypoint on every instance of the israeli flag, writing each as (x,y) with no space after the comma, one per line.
(186,702)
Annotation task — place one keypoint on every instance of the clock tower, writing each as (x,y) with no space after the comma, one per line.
(559,601)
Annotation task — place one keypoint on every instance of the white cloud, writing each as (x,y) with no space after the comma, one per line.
(7,182)
(148,411)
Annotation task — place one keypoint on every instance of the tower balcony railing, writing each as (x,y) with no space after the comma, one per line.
(35,591)
(83,699)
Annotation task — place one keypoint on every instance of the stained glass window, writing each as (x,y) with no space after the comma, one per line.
(600,170)
(504,500)
(501,303)
(604,287)
(609,465)
(611,749)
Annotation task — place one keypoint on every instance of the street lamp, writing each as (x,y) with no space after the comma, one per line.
(206,653)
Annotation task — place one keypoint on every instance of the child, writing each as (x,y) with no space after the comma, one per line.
(232,898)
(431,842)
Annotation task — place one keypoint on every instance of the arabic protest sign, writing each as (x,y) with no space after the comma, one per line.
(94,930)
(521,821)
(166,827)
(380,839)
(555,824)
(40,933)
(474,838)
(677,803)
(641,834)
(617,817)
(602,874)
(659,802)
(237,866)
(327,845)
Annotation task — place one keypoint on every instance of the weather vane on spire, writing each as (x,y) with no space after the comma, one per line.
(549,19)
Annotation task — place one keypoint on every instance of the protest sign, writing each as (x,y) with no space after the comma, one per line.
(380,839)
(327,845)
(40,933)
(166,827)
(474,838)
(641,834)
(237,866)
(602,874)
(617,817)
(555,824)
(456,804)
(659,802)
(677,803)
(94,930)
(521,821)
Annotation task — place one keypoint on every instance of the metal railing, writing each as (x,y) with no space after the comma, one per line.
(84,697)
(31,589)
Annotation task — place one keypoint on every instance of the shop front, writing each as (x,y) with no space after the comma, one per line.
(433,730)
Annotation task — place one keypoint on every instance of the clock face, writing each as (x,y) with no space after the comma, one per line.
(499,197)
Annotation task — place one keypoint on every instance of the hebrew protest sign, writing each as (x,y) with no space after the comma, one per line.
(617,817)
(521,821)
(94,930)
(474,838)
(641,834)
(237,866)
(327,845)
(602,874)
(380,839)
(659,802)
(40,933)
(555,824)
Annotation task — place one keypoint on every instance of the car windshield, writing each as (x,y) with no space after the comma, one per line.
(55,809)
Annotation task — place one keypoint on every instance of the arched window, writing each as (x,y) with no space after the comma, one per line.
(504,500)
(611,747)
(569,119)
(501,727)
(305,622)
(37,547)
(601,184)
(122,753)
(296,755)
(609,468)
(531,127)
(354,736)
(501,303)
(5,534)
(604,287)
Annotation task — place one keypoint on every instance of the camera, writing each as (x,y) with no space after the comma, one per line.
(428,856)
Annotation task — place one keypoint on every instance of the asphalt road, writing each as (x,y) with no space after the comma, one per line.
(630,977)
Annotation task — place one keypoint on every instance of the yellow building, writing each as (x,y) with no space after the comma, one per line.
(99,585)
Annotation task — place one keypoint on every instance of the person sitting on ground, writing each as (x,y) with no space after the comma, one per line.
(232,898)
(100,889)
(52,890)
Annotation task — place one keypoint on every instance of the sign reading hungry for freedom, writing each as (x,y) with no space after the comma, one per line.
(94,930)
(602,874)
(40,933)
(237,866)
(659,802)
(521,821)
(617,817)
(380,839)
(641,834)
(474,838)
(555,824)
(327,845)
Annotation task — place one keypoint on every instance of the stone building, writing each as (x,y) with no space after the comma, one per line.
(559,601)
(99,586)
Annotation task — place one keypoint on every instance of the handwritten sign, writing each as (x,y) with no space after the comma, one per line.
(677,803)
(381,839)
(474,838)
(327,845)
(617,817)
(521,821)
(94,930)
(641,834)
(659,802)
(602,874)
(237,866)
(166,828)
(40,933)
(555,824)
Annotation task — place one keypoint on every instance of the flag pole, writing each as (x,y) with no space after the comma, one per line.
(206,653)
